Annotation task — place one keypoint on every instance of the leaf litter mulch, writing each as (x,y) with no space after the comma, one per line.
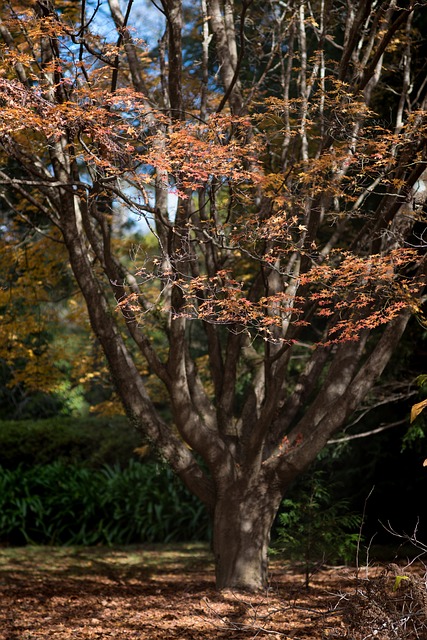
(167,593)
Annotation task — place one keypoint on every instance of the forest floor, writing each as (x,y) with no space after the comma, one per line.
(167,593)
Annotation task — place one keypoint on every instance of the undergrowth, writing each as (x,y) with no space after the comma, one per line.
(72,505)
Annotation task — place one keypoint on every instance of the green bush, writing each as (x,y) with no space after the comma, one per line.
(71,505)
(91,442)
(315,528)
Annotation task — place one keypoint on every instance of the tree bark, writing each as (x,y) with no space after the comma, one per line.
(243,518)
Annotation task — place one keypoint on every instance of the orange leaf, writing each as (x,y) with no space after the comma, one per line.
(417,408)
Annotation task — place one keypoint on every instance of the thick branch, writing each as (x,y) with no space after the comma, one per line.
(316,435)
(226,48)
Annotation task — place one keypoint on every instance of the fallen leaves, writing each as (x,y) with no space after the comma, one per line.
(155,593)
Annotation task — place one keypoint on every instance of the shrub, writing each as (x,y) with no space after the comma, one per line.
(315,528)
(72,505)
(91,442)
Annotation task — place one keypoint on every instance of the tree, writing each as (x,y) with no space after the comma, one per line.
(280,177)
(47,352)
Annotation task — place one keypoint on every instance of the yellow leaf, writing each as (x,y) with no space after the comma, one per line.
(417,408)
(398,581)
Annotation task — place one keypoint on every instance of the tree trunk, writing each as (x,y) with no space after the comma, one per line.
(241,534)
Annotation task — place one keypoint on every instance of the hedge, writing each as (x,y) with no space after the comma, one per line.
(90,442)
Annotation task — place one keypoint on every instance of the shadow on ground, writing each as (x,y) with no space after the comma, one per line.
(158,592)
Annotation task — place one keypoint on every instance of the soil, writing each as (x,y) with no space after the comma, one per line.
(167,592)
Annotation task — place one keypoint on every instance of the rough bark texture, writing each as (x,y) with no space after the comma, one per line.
(241,534)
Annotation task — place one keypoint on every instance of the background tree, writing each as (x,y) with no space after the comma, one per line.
(280,175)
(49,359)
